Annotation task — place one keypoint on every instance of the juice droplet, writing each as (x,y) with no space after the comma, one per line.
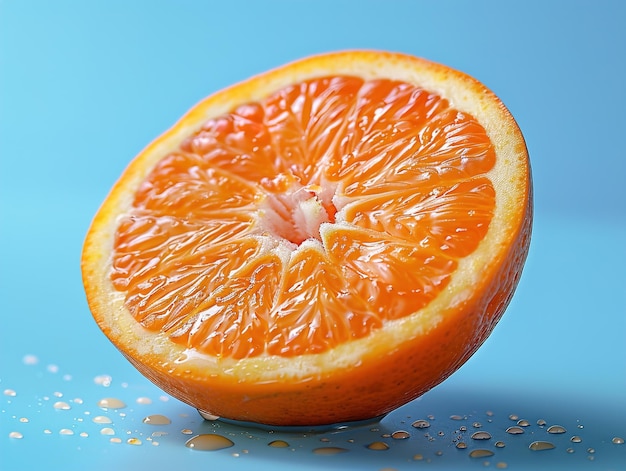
(618,440)
(60,405)
(541,445)
(576,439)
(278,444)
(107,431)
(133,441)
(480,453)
(515,430)
(556,429)
(157,419)
(16,435)
(10,392)
(101,419)
(207,415)
(329,450)
(500,444)
(400,435)
(523,423)
(461,445)
(111,403)
(378,446)
(208,442)
(421,423)
(482,435)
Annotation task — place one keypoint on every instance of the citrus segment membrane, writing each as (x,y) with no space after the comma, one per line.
(307,219)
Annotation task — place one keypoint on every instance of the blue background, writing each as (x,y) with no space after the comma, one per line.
(84,86)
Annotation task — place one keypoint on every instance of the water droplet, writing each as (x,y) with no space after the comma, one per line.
(16,435)
(60,405)
(463,428)
(439,453)
(278,444)
(115,440)
(378,446)
(133,441)
(58,394)
(24,420)
(570,450)
(523,423)
(421,423)
(207,415)
(111,403)
(47,431)
(461,445)
(576,439)
(208,442)
(103,380)
(10,392)
(477,425)
(53,368)
(30,360)
(157,419)
(542,423)
(84,434)
(618,440)
(515,430)
(482,435)
(66,431)
(329,450)
(556,429)
(101,419)
(456,417)
(107,431)
(514,417)
(441,433)
(144,400)
(77,400)
(480,453)
(591,450)
(500,444)
(400,435)
(418,457)
(501,465)
(541,445)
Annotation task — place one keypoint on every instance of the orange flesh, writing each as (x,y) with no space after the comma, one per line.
(400,173)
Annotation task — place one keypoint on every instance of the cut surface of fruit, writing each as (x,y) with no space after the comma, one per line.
(318,244)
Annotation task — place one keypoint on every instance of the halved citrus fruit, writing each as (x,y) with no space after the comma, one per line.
(319,244)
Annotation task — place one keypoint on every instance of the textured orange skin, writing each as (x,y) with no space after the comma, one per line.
(386,381)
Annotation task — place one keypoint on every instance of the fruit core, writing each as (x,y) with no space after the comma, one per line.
(297,214)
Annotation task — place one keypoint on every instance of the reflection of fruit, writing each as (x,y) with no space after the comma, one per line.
(319,244)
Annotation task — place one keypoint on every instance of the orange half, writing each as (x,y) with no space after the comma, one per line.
(321,243)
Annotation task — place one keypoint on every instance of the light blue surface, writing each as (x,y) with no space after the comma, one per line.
(84,86)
